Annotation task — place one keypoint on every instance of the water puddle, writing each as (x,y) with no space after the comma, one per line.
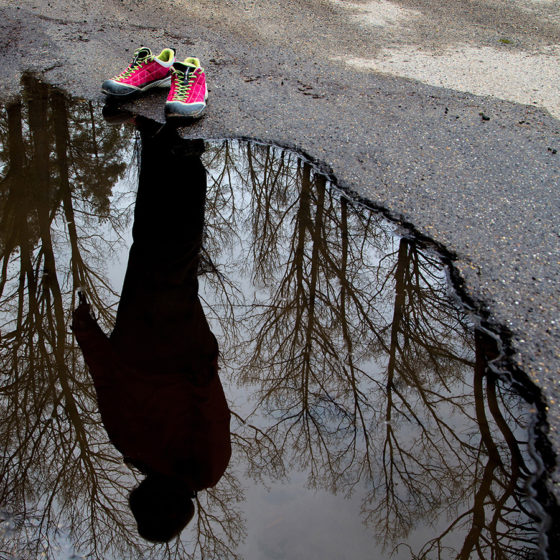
(371,415)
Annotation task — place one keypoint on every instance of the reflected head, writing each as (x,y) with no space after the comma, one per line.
(162,507)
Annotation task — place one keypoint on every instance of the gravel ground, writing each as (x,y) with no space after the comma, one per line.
(383,94)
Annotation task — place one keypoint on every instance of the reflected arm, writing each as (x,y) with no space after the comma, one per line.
(97,350)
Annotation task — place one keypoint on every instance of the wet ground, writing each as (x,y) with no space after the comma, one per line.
(372,410)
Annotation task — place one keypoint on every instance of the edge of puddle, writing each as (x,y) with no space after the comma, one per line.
(540,448)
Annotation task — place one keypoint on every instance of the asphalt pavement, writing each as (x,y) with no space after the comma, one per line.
(444,115)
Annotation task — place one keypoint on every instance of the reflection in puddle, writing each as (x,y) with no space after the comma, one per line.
(367,419)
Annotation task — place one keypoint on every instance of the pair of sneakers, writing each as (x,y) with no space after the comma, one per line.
(187,81)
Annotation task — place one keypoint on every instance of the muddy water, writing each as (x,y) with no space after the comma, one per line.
(372,415)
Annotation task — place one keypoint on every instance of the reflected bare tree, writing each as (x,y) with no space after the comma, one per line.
(351,360)
(495,519)
(365,371)
(61,219)
(54,445)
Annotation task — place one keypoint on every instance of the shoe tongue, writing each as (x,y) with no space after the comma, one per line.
(142,52)
(184,67)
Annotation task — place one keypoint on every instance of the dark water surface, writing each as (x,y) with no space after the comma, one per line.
(372,416)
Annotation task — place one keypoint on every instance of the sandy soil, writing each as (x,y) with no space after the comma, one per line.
(512,69)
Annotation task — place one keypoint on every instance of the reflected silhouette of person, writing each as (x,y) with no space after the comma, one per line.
(156,376)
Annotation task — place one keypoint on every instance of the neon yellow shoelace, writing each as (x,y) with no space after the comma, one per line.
(132,68)
(183,89)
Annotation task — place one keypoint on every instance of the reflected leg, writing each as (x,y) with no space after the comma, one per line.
(160,322)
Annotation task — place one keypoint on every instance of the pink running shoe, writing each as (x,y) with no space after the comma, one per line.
(144,72)
(188,94)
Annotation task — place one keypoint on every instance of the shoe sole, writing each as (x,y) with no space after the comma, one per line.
(173,111)
(134,90)
(186,116)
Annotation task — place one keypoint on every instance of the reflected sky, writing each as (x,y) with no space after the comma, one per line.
(370,413)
